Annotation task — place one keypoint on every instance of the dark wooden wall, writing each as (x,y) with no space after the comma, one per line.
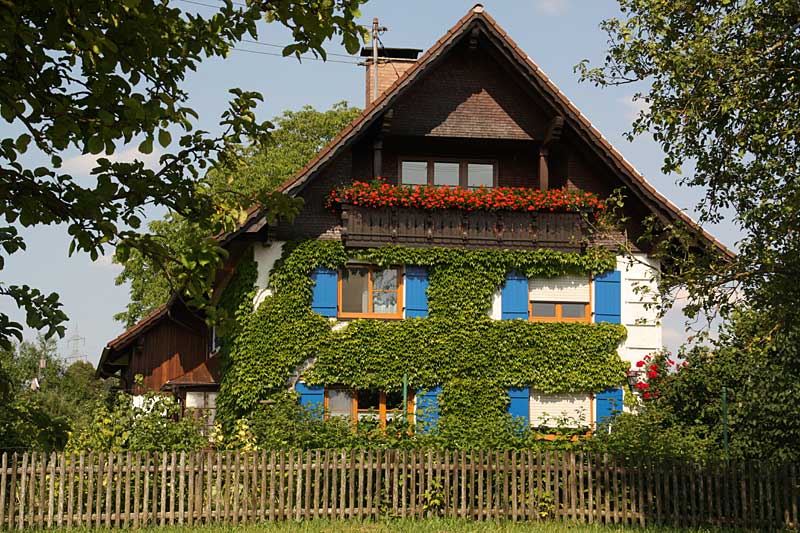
(171,348)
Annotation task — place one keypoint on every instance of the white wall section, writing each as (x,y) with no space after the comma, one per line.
(265,255)
(639,291)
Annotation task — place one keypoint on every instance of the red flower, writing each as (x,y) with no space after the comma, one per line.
(640,364)
(652,374)
(382,194)
(646,395)
(642,385)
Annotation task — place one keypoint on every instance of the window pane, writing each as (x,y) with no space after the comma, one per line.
(368,404)
(394,400)
(355,290)
(384,295)
(385,280)
(369,400)
(480,174)
(414,172)
(573,310)
(384,302)
(445,174)
(543,309)
(340,402)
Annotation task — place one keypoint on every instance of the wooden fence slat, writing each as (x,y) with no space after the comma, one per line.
(331,511)
(12,491)
(369,486)
(292,488)
(42,494)
(308,482)
(4,466)
(282,485)
(342,475)
(326,484)
(22,491)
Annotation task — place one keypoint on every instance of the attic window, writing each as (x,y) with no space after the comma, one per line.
(440,172)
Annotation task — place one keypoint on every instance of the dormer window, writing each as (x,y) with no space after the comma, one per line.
(469,174)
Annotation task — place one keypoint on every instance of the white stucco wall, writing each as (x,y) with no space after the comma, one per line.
(265,256)
(644,329)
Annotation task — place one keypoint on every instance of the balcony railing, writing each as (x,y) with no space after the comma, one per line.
(371,227)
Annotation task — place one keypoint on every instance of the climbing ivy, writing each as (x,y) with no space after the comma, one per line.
(458,342)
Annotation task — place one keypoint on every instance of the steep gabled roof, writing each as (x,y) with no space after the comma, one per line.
(478,18)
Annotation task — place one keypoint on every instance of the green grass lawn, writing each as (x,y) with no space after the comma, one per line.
(408,526)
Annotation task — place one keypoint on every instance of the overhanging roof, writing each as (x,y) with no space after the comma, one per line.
(478,18)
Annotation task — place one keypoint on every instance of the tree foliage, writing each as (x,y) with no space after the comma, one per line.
(95,75)
(720,81)
(757,364)
(41,404)
(295,138)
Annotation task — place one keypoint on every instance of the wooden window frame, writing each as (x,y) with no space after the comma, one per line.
(587,314)
(463,177)
(370,284)
(354,410)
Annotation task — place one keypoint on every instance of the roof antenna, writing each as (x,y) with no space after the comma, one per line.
(376,31)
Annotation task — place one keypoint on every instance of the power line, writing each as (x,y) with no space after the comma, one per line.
(283,46)
(273,45)
(195,2)
(260,52)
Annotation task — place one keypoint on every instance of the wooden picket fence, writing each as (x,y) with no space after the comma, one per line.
(145,489)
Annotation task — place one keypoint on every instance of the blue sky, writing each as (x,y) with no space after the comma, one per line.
(556,34)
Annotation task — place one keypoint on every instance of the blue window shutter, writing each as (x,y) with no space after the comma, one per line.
(428,409)
(416,292)
(325,296)
(514,297)
(311,397)
(608,404)
(608,297)
(519,406)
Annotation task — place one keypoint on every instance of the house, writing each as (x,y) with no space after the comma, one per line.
(478,261)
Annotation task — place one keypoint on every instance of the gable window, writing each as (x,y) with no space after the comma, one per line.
(480,175)
(368,291)
(366,404)
(469,174)
(445,173)
(414,172)
(562,299)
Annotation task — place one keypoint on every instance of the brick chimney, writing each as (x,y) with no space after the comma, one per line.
(392,63)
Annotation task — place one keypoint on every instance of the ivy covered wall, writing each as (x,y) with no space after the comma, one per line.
(456,343)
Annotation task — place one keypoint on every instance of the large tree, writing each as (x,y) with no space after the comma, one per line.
(720,80)
(296,138)
(94,75)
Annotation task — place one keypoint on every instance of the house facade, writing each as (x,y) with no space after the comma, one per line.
(455,239)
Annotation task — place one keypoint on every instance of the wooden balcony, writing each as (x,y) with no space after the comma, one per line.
(370,227)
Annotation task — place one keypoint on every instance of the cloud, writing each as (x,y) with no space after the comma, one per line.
(82,165)
(633,107)
(552,7)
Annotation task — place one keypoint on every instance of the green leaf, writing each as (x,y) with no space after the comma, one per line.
(146,146)
(164,138)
